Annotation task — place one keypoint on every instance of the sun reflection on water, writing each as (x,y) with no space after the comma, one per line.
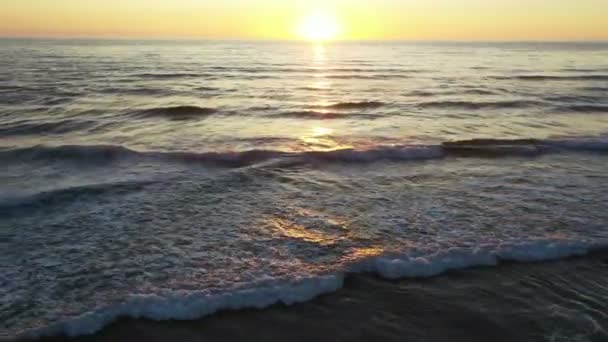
(321,131)
(309,225)
(319,54)
(367,252)
(311,234)
(321,138)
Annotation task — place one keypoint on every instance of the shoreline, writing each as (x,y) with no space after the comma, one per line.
(500,303)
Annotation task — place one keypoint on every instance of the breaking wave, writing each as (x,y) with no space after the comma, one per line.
(475,148)
(190,305)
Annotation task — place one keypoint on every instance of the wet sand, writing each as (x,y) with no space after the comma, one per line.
(552,301)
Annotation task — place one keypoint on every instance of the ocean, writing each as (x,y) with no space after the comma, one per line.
(172,180)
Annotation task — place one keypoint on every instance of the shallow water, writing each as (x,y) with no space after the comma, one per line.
(170,180)
(553,301)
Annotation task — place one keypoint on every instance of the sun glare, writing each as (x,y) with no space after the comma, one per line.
(319,26)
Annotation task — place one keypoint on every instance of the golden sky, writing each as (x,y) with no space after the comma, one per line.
(278,19)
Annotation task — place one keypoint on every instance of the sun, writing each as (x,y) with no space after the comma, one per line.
(319,26)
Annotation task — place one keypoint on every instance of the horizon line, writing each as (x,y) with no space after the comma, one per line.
(296,40)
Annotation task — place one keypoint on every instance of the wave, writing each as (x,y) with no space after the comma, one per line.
(283,69)
(352,105)
(369,70)
(584,108)
(87,153)
(365,76)
(53,101)
(472,105)
(522,147)
(314,88)
(475,148)
(113,153)
(8,205)
(58,127)
(573,99)
(145,91)
(595,88)
(423,93)
(478,91)
(553,77)
(10,88)
(585,69)
(166,75)
(176,112)
(470,91)
(203,88)
(316,115)
(191,305)
(496,147)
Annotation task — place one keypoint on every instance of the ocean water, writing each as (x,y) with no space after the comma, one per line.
(171,180)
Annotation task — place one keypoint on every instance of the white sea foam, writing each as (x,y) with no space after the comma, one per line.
(407,266)
(195,305)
